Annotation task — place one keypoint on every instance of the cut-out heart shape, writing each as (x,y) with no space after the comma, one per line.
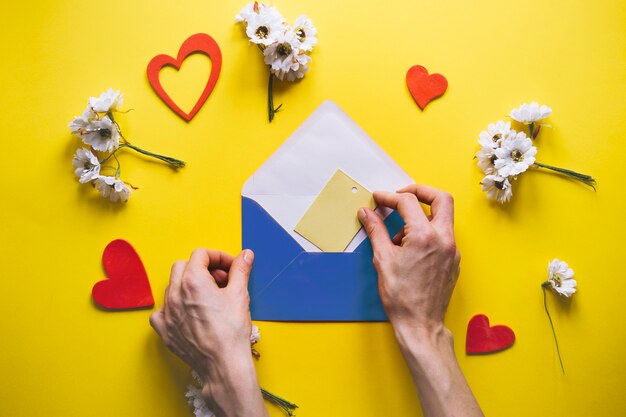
(425,87)
(481,338)
(201,43)
(128,286)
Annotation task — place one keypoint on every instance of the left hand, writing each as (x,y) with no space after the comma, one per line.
(205,320)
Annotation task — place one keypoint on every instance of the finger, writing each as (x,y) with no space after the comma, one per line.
(205,258)
(239,274)
(397,239)
(220,276)
(158,322)
(441,203)
(173,290)
(376,230)
(405,203)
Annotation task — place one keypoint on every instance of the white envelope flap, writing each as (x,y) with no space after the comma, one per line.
(288,182)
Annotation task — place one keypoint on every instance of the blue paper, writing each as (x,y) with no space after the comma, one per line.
(289,284)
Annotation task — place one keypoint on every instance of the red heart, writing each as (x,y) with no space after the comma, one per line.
(200,42)
(484,339)
(424,87)
(128,285)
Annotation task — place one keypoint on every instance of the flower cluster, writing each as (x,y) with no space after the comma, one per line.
(561,281)
(285,48)
(200,408)
(97,129)
(506,153)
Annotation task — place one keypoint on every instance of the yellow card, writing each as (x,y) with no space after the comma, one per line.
(331,222)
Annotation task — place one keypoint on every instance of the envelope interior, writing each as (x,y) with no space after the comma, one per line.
(290,180)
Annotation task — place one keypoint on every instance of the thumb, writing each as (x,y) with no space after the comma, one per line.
(376,230)
(239,273)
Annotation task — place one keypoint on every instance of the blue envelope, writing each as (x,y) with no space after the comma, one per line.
(292,280)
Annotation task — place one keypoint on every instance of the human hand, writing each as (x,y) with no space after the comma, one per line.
(205,320)
(419,267)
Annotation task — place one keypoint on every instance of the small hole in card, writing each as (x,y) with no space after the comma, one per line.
(354,190)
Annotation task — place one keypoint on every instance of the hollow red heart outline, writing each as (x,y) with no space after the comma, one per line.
(198,43)
(483,338)
(425,87)
(127,286)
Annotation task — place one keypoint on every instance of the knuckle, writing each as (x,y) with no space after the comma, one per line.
(191,283)
(407,198)
(178,264)
(198,252)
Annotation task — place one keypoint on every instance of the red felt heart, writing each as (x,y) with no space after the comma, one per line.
(128,285)
(424,87)
(481,338)
(200,42)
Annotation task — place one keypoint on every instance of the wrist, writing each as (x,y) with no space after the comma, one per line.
(424,345)
(232,388)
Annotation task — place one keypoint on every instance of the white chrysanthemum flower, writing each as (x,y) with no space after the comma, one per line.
(515,155)
(263,27)
(530,113)
(109,100)
(195,399)
(113,188)
(494,134)
(287,61)
(305,33)
(255,336)
(245,13)
(102,135)
(87,165)
(497,188)
(80,122)
(486,159)
(561,278)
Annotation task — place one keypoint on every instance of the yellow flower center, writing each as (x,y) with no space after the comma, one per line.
(300,34)
(557,280)
(284,49)
(517,155)
(262,32)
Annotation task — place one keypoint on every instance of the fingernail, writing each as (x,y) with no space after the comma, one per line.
(247,256)
(362,214)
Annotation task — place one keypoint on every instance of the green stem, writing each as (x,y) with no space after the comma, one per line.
(271,111)
(585,179)
(172,161)
(285,405)
(556,342)
(118,171)
(531,128)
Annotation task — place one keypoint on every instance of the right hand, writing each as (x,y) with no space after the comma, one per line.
(419,267)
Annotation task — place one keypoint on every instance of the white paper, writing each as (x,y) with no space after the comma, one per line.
(288,182)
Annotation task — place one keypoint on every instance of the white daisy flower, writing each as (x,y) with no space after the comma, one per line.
(494,134)
(561,278)
(305,33)
(113,188)
(195,398)
(515,154)
(109,100)
(80,122)
(287,61)
(486,159)
(255,336)
(497,188)
(530,113)
(87,165)
(245,13)
(102,135)
(263,27)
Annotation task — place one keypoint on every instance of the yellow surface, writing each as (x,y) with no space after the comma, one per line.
(331,222)
(60,356)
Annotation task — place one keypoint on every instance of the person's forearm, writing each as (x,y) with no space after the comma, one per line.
(233,389)
(441,385)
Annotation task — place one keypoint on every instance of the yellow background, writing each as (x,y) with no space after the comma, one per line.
(61,356)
